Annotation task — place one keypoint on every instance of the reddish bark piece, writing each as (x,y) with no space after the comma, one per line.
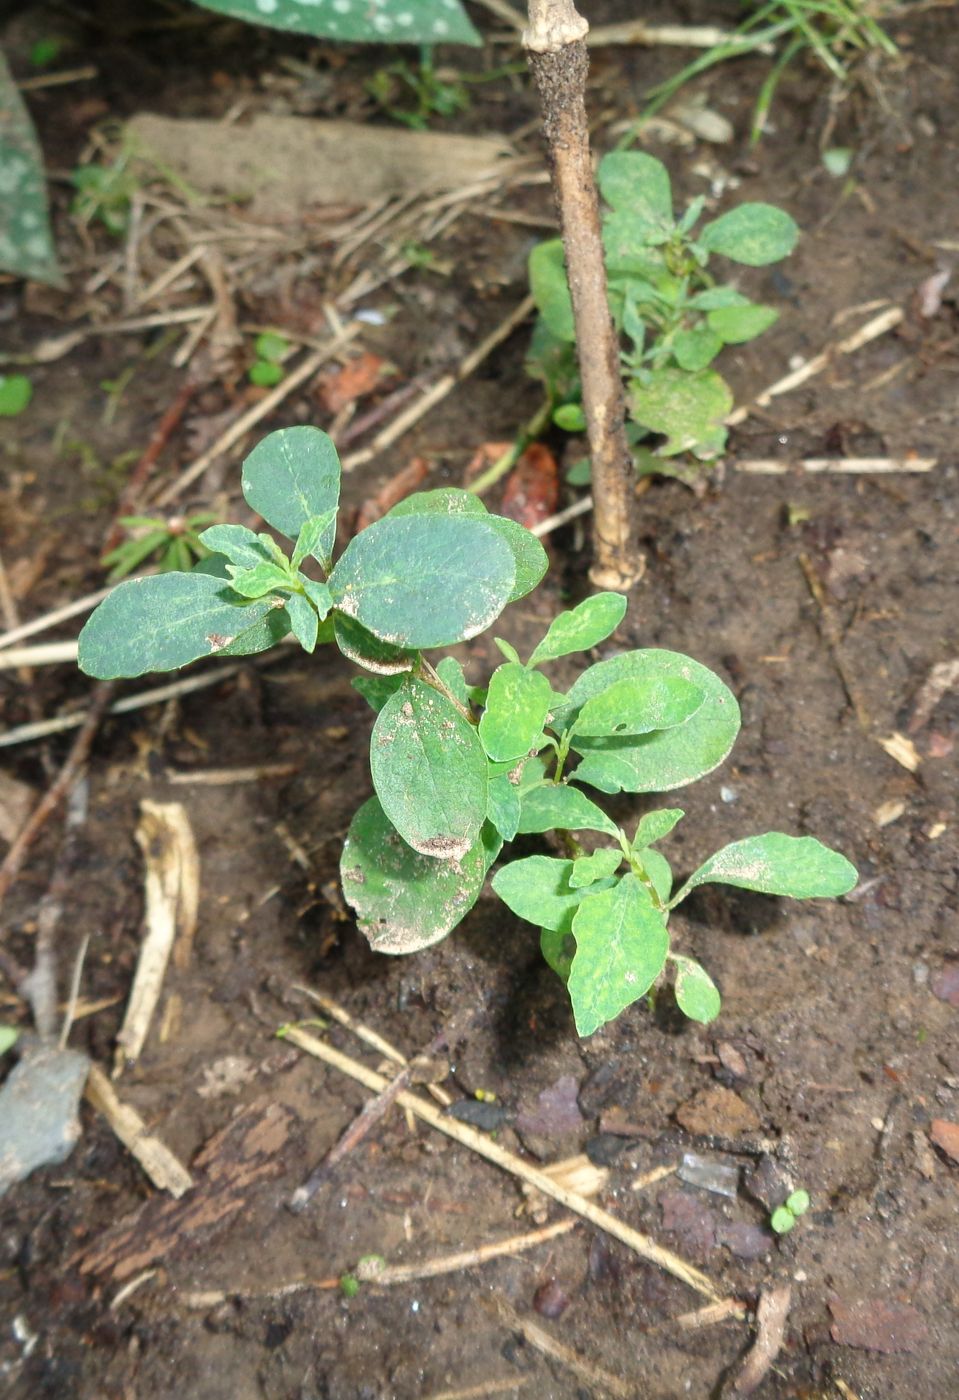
(340,387)
(531,494)
(692,1222)
(717,1112)
(945,985)
(403,484)
(556,1111)
(877,1324)
(250,1149)
(946,1136)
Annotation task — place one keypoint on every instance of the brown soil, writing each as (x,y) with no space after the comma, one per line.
(831,1033)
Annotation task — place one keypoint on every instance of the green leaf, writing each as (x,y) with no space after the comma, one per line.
(637,184)
(9,1035)
(658,871)
(668,758)
(782,1220)
(451,674)
(359,21)
(640,705)
(529,557)
(376,690)
(630,246)
(26,243)
(445,500)
(584,626)
(405,901)
(798,867)
(558,950)
(265,374)
(260,580)
(517,703)
(696,993)
(550,289)
(16,391)
(754,234)
(537,889)
(655,825)
(556,807)
(621,947)
(355,642)
(503,805)
(270,346)
(425,581)
(695,349)
(312,539)
(717,299)
(737,324)
(429,771)
(318,594)
(292,476)
(507,649)
(168,620)
(552,359)
(597,866)
(240,545)
(798,1202)
(690,409)
(303,621)
(570,417)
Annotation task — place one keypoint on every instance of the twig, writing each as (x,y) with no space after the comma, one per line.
(59,788)
(44,654)
(73,998)
(438,391)
(680,36)
(556,52)
(165,1170)
(158,695)
(479,1392)
(470,1258)
(225,777)
(886,321)
(841,466)
(40,986)
(140,475)
(66,75)
(563,517)
(303,371)
(832,635)
(587,1371)
(508,1161)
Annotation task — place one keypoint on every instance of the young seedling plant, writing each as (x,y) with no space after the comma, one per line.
(672,316)
(460,772)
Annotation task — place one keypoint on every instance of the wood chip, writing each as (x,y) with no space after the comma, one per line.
(888,812)
(164,1169)
(903,750)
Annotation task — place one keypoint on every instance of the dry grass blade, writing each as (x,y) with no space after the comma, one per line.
(165,1170)
(588,1371)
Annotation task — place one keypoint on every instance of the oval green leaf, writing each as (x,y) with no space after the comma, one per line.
(585,626)
(355,642)
(638,184)
(556,807)
(655,825)
(429,771)
(697,995)
(668,758)
(425,580)
(168,620)
(796,867)
(550,289)
(537,889)
(621,947)
(597,866)
(517,703)
(428,22)
(640,705)
(404,901)
(238,544)
(292,476)
(754,234)
(502,806)
(689,409)
(736,324)
(558,950)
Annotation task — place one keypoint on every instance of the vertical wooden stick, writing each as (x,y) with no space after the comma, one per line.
(556,52)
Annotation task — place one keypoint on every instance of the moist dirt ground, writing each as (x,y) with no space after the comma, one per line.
(824,600)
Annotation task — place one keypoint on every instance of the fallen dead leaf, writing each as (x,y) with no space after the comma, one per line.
(531,494)
(946,1136)
(877,1324)
(345,385)
(717,1112)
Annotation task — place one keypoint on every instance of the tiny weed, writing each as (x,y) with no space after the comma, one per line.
(16,391)
(104,193)
(784,1217)
(393,88)
(175,543)
(270,350)
(459,771)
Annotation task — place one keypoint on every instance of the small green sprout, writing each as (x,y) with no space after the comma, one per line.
(349,1285)
(460,772)
(16,391)
(270,350)
(9,1035)
(431,94)
(175,541)
(45,51)
(785,1216)
(104,194)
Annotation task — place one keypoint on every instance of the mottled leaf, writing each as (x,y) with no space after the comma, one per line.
(799,867)
(429,771)
(621,947)
(584,626)
(355,642)
(292,476)
(689,409)
(736,324)
(550,289)
(537,889)
(517,703)
(597,866)
(26,243)
(639,705)
(557,807)
(655,825)
(427,22)
(754,234)
(696,993)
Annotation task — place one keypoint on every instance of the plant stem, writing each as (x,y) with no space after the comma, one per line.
(511,456)
(556,52)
